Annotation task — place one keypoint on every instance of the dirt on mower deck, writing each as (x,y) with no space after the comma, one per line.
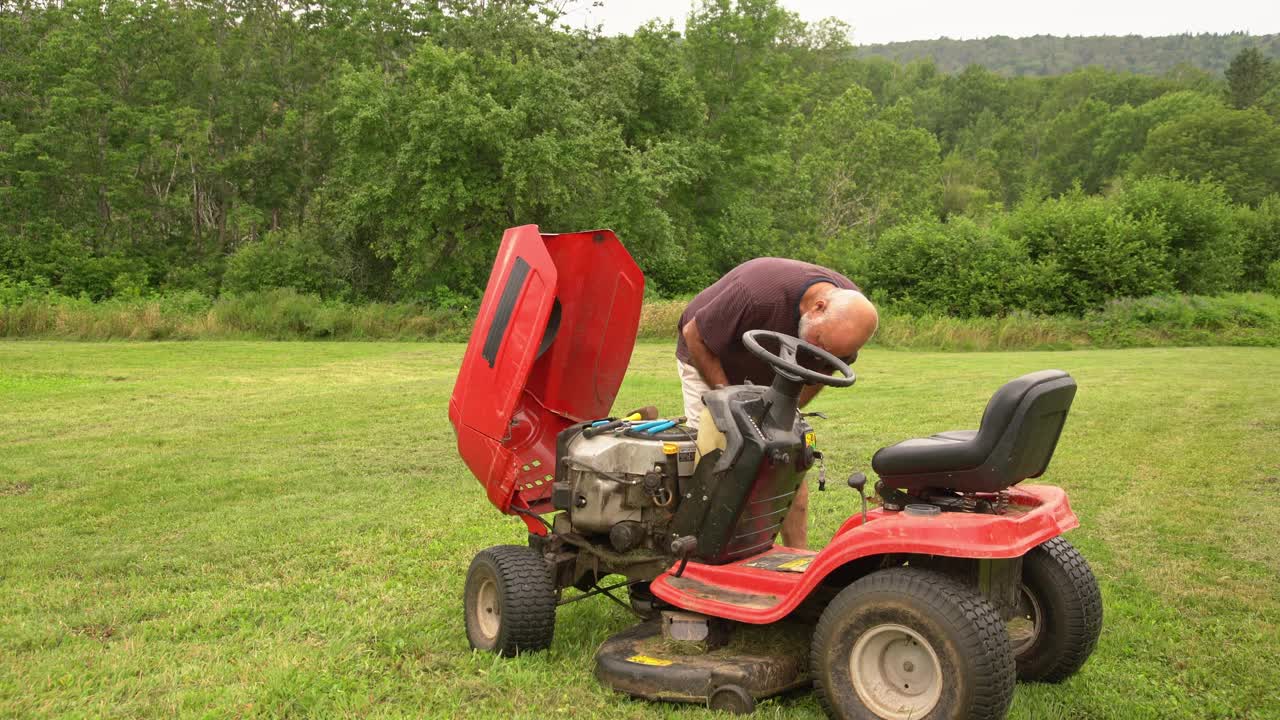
(764,660)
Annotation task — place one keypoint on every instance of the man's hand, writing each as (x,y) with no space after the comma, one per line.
(704,360)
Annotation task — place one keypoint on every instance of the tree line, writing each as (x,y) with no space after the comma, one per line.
(376,151)
(1053,55)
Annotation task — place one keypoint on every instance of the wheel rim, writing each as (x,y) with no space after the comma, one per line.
(488,612)
(1024,628)
(895,672)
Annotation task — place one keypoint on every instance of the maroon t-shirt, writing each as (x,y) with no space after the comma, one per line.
(760,294)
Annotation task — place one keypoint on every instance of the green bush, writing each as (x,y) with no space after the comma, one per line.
(67,262)
(285,259)
(17,292)
(955,268)
(1090,251)
(1273,278)
(1260,228)
(1206,247)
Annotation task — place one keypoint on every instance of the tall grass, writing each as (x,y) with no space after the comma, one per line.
(1239,319)
(272,315)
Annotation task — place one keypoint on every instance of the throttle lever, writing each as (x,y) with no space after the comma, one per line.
(682,548)
(858,481)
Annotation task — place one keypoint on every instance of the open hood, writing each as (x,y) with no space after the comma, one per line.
(549,348)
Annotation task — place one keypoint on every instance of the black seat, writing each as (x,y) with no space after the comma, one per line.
(1015,440)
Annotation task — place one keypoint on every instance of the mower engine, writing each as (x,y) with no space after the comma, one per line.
(624,485)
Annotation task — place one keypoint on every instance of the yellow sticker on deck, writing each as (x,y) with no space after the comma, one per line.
(646,660)
(798,565)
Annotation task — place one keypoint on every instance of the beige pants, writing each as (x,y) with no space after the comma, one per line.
(693,386)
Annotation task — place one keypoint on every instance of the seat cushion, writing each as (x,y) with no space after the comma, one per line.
(945,452)
(1019,432)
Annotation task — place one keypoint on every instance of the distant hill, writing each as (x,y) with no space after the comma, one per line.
(1052,55)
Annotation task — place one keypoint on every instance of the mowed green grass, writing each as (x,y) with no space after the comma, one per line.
(282,529)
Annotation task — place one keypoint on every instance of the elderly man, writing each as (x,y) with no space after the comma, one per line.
(808,301)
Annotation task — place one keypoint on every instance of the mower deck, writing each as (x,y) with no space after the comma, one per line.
(756,664)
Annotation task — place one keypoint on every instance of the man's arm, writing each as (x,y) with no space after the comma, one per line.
(807,393)
(704,360)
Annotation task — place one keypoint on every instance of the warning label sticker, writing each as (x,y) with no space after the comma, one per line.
(646,660)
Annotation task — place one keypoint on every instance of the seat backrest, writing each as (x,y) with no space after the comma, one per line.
(1023,422)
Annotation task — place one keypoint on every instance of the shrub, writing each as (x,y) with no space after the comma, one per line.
(1206,247)
(954,268)
(1273,278)
(1090,251)
(285,259)
(1260,229)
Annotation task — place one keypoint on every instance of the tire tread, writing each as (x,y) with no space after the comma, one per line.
(1084,626)
(529,598)
(961,605)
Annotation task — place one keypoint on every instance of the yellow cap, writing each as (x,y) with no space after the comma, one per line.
(670,448)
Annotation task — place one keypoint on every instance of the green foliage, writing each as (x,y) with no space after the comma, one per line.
(1205,243)
(956,268)
(1092,249)
(1249,77)
(1261,231)
(866,169)
(1044,55)
(285,259)
(376,152)
(1239,319)
(279,314)
(1273,278)
(919,319)
(1238,148)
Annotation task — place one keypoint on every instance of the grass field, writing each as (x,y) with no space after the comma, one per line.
(234,529)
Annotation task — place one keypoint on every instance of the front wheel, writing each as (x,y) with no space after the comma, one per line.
(911,644)
(509,601)
(1060,613)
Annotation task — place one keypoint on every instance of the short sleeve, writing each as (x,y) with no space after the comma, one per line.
(723,320)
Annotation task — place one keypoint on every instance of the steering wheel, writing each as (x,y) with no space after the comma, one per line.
(784,361)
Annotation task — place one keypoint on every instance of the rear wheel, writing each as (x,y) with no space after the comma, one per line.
(1060,617)
(911,644)
(509,601)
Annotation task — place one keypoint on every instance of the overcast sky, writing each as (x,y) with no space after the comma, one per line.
(894,20)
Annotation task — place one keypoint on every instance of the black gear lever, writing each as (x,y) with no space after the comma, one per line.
(858,481)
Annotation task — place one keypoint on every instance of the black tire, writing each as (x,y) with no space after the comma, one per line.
(509,601)
(969,666)
(1064,606)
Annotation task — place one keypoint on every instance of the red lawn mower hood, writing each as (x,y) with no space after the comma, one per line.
(550,345)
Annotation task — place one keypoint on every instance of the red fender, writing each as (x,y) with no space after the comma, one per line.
(746,592)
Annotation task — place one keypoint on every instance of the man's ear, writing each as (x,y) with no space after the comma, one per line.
(820,306)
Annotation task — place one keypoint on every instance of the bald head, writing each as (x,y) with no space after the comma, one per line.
(839,321)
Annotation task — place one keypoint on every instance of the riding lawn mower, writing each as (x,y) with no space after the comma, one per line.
(929,605)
